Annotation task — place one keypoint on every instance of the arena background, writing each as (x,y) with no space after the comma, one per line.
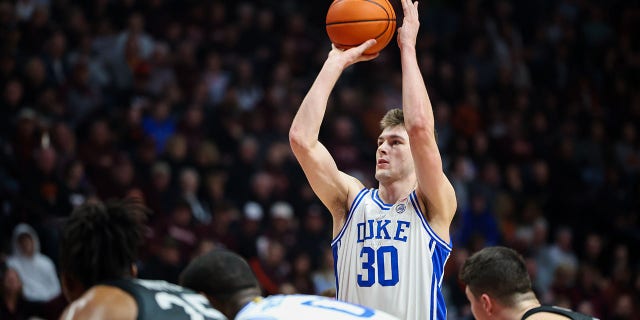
(187,105)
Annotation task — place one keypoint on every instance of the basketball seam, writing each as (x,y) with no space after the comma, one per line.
(376,37)
(389,19)
(371,1)
(356,21)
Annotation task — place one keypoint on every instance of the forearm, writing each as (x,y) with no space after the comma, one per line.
(305,127)
(417,109)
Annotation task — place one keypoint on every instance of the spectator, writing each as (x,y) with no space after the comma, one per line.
(250,229)
(160,125)
(176,233)
(158,191)
(189,188)
(324,276)
(271,268)
(551,257)
(13,305)
(37,271)
(478,220)
(281,228)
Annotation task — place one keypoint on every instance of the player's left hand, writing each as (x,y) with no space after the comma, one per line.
(408,32)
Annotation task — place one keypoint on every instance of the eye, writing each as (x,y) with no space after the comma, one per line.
(395,142)
(379,143)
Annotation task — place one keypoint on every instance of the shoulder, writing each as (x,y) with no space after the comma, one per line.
(45,261)
(554,313)
(102,302)
(546,316)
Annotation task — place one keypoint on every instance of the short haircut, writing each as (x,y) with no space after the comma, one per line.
(392,118)
(395,117)
(219,273)
(100,241)
(497,271)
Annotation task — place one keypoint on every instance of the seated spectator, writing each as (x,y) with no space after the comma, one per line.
(12,303)
(37,272)
(324,277)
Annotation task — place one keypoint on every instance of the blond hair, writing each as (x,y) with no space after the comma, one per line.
(393,118)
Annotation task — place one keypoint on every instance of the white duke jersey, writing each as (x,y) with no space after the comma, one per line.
(387,257)
(307,307)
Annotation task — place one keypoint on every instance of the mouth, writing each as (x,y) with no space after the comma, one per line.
(382,162)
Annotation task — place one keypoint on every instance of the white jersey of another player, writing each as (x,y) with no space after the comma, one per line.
(387,257)
(298,306)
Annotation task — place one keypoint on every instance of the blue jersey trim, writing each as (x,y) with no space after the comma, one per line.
(416,206)
(376,198)
(354,205)
(334,250)
(432,295)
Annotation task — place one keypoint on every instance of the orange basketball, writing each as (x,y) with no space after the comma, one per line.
(352,22)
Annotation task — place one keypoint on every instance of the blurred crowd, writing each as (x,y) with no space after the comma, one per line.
(186,105)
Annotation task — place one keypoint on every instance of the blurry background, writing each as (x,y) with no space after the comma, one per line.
(187,104)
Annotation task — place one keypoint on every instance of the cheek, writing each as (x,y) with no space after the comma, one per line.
(474,311)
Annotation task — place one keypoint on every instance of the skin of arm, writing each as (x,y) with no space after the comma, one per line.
(333,187)
(434,189)
(102,302)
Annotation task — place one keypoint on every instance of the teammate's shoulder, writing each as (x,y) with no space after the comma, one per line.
(102,302)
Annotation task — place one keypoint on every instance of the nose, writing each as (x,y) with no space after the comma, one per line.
(382,148)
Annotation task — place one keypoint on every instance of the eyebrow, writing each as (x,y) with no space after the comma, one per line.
(391,136)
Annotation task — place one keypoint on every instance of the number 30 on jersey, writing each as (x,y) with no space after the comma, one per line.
(384,260)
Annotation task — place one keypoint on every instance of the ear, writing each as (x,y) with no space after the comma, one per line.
(134,270)
(487,304)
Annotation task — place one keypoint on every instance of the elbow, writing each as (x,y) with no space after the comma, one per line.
(419,122)
(422,128)
(297,139)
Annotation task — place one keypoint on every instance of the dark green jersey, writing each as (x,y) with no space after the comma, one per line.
(557,310)
(160,300)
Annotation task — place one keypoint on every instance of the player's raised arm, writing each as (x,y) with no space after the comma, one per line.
(332,186)
(434,188)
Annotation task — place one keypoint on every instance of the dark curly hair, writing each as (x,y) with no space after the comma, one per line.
(100,241)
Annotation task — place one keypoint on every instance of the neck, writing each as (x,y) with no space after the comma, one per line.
(392,192)
(239,300)
(525,302)
(11,301)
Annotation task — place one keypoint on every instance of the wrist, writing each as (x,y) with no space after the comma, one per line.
(407,48)
(334,65)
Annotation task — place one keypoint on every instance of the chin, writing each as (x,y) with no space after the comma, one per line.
(381,176)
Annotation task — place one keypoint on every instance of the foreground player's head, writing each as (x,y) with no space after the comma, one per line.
(393,117)
(224,278)
(393,156)
(99,243)
(496,279)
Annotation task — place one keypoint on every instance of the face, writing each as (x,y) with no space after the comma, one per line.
(393,157)
(476,305)
(11,282)
(26,245)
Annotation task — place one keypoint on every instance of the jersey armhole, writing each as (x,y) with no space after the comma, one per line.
(416,205)
(356,201)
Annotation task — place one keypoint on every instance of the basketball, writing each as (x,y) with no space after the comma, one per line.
(351,22)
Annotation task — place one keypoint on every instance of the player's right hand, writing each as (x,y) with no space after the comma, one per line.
(345,58)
